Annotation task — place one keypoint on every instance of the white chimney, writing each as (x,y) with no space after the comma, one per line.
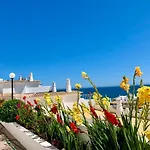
(20,78)
(54,87)
(31,77)
(68,86)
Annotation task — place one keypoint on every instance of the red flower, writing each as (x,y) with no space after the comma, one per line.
(93,112)
(73,127)
(35,102)
(17,117)
(18,105)
(29,104)
(112,118)
(24,98)
(54,109)
(59,119)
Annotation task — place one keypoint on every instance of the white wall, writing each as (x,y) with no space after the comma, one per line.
(37,89)
(7,85)
(8,90)
(19,87)
(32,84)
(1,87)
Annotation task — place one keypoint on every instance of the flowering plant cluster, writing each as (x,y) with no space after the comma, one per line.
(83,127)
(128,131)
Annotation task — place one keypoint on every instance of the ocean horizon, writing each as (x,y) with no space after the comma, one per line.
(112,91)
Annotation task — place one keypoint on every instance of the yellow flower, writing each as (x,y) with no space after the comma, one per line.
(48,99)
(106,102)
(38,100)
(124,85)
(138,72)
(143,95)
(75,108)
(49,102)
(46,95)
(97,97)
(84,75)
(125,79)
(58,99)
(77,118)
(68,129)
(78,86)
(85,108)
(147,133)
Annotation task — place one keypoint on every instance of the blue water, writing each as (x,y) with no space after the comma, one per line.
(111,92)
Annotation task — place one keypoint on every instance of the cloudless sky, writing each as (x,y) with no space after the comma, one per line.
(57,39)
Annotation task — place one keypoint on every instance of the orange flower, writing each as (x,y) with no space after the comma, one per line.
(138,72)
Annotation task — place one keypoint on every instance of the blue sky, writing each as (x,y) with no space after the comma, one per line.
(59,39)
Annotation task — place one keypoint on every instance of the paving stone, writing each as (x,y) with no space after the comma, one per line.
(3,143)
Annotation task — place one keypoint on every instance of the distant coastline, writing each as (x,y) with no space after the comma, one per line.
(111,91)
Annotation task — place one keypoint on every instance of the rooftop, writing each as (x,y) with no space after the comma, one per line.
(7,81)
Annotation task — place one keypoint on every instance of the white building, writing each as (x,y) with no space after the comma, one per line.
(23,86)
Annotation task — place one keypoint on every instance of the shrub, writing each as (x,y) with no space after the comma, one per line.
(8,110)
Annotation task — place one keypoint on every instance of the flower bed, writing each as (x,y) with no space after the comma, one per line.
(72,130)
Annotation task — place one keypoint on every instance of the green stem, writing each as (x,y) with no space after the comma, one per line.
(78,92)
(101,104)
(132,99)
(146,110)
(136,113)
(141,118)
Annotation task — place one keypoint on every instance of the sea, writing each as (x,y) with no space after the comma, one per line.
(111,92)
